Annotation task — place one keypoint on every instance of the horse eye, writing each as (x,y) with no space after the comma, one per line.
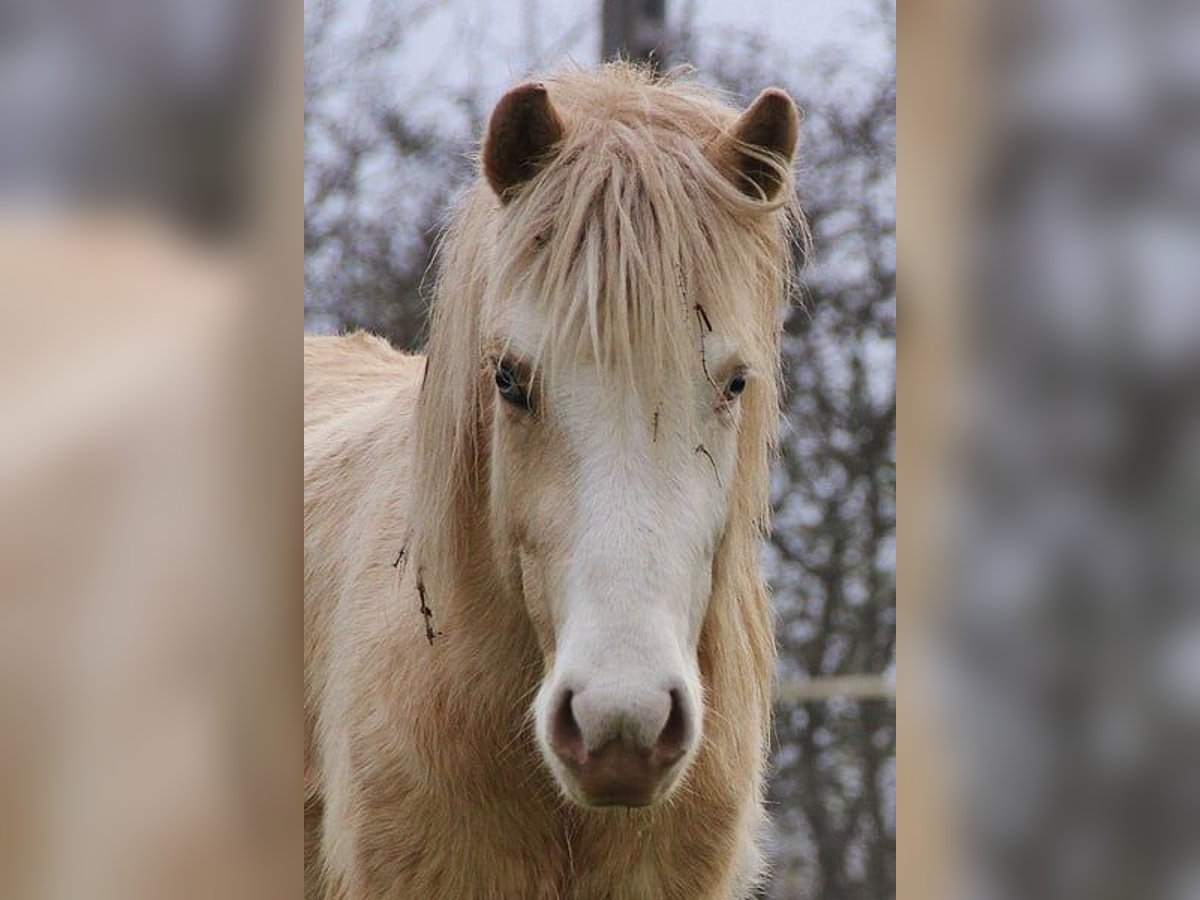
(736,385)
(509,387)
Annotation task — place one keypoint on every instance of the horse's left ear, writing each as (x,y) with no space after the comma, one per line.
(522,135)
(756,152)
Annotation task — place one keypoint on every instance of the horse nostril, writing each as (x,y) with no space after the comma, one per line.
(565,735)
(672,741)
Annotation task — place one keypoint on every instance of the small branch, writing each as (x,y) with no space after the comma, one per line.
(703,322)
(430,634)
(682,287)
(700,448)
(400,564)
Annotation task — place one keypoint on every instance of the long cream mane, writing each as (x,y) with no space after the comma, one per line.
(640,247)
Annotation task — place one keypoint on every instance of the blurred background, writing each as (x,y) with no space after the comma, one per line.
(1051,363)
(397,93)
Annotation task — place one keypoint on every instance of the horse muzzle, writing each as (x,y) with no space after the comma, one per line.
(620,745)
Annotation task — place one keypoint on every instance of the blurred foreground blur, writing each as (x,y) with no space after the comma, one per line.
(1065,672)
(149,453)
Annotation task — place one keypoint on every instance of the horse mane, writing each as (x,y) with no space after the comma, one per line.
(638,245)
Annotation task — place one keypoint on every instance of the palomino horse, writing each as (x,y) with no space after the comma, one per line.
(538,648)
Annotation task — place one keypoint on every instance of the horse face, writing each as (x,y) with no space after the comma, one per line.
(608,505)
(608,510)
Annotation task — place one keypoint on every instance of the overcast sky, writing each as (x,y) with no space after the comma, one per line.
(484,46)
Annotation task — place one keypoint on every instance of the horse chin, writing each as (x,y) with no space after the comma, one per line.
(627,796)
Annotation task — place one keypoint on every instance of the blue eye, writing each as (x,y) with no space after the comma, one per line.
(509,385)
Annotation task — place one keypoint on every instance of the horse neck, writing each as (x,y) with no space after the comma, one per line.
(484,626)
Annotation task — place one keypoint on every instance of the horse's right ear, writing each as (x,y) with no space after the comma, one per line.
(522,136)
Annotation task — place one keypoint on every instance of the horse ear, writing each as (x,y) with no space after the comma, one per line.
(755,153)
(522,135)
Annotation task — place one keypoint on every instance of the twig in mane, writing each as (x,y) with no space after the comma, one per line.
(679,282)
(703,323)
(400,557)
(430,634)
(425,372)
(700,448)
(656,412)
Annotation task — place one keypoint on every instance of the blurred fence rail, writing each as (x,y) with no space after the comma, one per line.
(844,687)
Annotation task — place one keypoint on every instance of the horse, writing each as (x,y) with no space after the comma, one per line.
(538,648)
